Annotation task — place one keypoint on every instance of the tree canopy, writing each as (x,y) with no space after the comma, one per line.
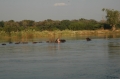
(50,25)
(113,17)
(113,20)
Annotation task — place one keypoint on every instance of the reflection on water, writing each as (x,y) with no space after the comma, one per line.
(74,59)
(114,46)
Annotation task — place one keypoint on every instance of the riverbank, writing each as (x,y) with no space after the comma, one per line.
(31,34)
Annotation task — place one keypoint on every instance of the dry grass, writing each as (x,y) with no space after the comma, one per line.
(52,35)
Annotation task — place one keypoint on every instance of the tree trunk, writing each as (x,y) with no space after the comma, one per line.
(113,28)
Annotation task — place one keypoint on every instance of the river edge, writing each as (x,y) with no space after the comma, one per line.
(25,35)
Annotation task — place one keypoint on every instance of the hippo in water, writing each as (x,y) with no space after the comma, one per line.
(57,41)
(88,39)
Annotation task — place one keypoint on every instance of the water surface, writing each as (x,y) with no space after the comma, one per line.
(74,59)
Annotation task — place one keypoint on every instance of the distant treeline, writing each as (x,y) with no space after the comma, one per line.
(51,25)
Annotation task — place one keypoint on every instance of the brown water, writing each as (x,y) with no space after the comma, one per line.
(74,59)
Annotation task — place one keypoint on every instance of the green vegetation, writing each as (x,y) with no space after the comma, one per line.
(31,29)
(50,25)
(113,17)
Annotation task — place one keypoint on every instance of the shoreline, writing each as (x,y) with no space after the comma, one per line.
(24,35)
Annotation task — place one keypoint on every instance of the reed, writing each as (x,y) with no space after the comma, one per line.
(51,35)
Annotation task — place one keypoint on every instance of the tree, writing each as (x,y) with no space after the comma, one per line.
(64,24)
(113,17)
(27,23)
(1,23)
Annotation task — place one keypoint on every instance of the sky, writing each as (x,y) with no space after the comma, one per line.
(39,10)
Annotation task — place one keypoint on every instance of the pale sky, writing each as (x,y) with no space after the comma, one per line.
(39,10)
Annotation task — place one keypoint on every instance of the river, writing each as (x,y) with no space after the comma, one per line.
(74,59)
